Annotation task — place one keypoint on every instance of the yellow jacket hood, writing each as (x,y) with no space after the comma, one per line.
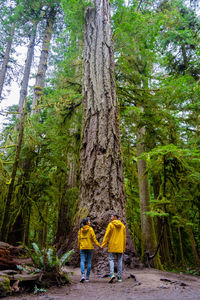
(85,228)
(117,223)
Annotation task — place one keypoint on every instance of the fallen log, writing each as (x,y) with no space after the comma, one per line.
(8,272)
(6,261)
(24,277)
(9,256)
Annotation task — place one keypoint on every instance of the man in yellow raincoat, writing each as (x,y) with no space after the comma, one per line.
(86,241)
(115,237)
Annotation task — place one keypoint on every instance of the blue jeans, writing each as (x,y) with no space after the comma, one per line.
(119,256)
(86,254)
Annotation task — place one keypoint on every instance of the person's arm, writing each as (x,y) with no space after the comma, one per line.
(106,236)
(94,237)
(79,237)
(124,233)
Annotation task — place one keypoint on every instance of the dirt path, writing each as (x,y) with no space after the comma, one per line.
(150,284)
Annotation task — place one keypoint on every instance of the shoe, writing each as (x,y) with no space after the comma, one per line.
(82,279)
(87,280)
(119,279)
(111,278)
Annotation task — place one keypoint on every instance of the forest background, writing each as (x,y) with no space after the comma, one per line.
(157,66)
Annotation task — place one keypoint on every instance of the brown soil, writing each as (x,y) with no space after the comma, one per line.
(148,284)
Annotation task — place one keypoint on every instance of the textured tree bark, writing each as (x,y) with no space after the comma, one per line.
(102,183)
(27,69)
(182,260)
(193,246)
(40,77)
(6,59)
(19,231)
(63,225)
(69,185)
(148,232)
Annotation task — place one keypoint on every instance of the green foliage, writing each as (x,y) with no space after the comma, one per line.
(158,92)
(46,259)
(192,272)
(39,290)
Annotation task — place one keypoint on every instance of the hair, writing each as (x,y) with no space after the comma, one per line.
(84,222)
(115,215)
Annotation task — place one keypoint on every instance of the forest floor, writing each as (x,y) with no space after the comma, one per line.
(148,284)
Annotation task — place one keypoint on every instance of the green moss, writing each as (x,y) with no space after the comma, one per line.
(5,288)
(38,88)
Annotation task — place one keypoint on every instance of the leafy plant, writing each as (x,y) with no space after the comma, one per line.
(47,260)
(39,290)
(192,272)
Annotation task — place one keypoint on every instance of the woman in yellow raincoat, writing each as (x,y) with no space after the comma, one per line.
(86,241)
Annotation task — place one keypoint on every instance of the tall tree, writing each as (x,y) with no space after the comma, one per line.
(40,76)
(102,183)
(147,224)
(27,69)
(6,58)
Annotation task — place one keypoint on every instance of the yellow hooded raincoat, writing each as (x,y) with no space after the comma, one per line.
(87,238)
(115,236)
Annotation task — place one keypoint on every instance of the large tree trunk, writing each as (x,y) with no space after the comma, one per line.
(102,183)
(27,69)
(148,232)
(6,59)
(40,77)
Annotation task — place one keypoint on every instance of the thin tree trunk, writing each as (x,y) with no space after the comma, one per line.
(40,77)
(45,226)
(102,183)
(193,245)
(27,227)
(70,182)
(148,232)
(166,245)
(181,246)
(27,69)
(64,220)
(6,59)
(24,211)
(173,246)
(167,240)
(61,226)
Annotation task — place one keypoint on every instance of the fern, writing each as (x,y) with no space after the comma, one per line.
(50,258)
(65,257)
(46,259)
